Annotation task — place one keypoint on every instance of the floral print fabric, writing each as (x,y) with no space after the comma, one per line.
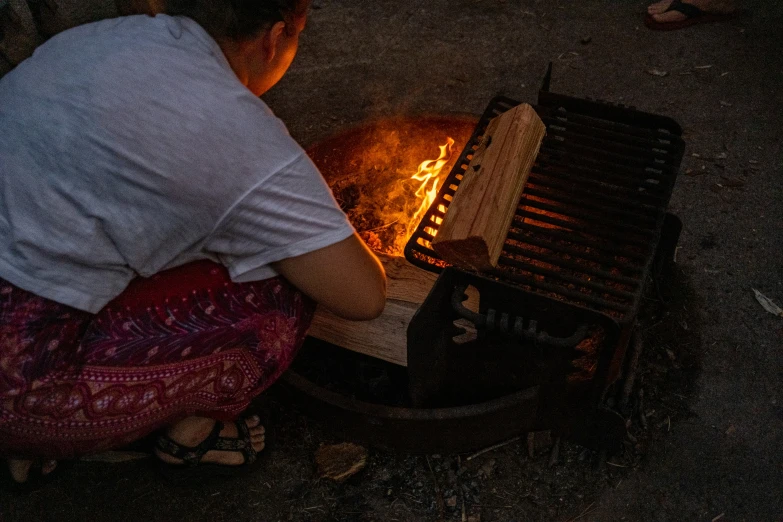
(183,342)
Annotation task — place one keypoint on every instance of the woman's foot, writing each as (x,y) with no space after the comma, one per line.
(659,10)
(20,469)
(192,431)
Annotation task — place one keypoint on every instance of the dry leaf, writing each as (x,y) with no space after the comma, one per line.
(339,462)
(657,72)
(767,303)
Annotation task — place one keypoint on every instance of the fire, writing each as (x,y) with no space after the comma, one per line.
(387,204)
(429,174)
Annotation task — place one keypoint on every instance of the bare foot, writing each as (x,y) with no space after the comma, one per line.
(20,469)
(659,13)
(194,430)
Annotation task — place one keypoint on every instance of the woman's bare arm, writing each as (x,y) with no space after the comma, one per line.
(345,277)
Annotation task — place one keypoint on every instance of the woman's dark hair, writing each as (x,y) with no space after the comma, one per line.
(237,19)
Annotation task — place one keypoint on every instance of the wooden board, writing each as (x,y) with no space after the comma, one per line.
(477,221)
(387,336)
(384,338)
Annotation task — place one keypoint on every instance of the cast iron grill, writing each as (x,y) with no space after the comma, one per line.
(589,221)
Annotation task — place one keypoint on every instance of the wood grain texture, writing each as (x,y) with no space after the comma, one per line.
(386,337)
(477,221)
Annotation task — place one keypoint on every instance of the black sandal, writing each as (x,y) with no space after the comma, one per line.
(192,469)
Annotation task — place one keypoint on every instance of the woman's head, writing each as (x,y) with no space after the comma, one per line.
(239,19)
(259,37)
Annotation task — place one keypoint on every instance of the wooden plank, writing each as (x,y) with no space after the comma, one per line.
(387,336)
(384,338)
(477,221)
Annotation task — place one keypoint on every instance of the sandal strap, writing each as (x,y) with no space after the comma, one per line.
(190,455)
(689,10)
(242,443)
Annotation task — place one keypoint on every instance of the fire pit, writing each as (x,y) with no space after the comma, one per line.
(540,342)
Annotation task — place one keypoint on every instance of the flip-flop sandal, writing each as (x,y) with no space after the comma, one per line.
(693,16)
(192,471)
(35,480)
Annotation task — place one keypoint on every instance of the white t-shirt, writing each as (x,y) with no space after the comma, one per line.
(127,147)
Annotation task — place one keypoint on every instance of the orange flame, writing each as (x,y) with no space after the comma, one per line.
(429,174)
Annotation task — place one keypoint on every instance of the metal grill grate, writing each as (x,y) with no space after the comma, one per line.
(590,219)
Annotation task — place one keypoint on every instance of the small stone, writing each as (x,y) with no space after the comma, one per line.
(586,40)
(452,501)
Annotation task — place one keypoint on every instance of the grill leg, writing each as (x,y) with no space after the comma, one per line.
(667,247)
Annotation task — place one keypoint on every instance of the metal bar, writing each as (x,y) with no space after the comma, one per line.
(619,162)
(609,147)
(607,112)
(578,267)
(585,190)
(598,287)
(617,131)
(567,169)
(626,167)
(590,203)
(579,227)
(645,144)
(575,252)
(574,213)
(570,237)
(562,291)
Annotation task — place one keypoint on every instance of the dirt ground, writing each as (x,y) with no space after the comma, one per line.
(711,445)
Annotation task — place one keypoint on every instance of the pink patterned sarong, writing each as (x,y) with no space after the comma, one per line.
(183,342)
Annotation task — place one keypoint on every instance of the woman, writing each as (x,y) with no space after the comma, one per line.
(163,240)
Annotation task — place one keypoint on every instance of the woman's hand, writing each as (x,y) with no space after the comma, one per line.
(345,277)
